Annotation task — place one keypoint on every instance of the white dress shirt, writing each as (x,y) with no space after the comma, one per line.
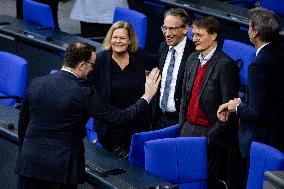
(257,50)
(178,56)
(66,70)
(204,60)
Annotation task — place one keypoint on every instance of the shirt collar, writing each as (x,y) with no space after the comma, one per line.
(179,47)
(257,51)
(64,69)
(205,59)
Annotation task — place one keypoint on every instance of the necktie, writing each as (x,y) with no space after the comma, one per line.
(166,92)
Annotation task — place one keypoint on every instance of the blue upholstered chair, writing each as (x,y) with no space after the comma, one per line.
(38,13)
(181,161)
(243,54)
(91,134)
(189,33)
(13,78)
(136,154)
(263,158)
(136,19)
(274,5)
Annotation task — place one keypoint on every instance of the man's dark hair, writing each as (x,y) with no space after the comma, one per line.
(78,52)
(209,23)
(181,13)
(266,23)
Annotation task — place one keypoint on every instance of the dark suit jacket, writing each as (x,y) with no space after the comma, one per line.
(164,48)
(52,123)
(101,78)
(220,84)
(262,113)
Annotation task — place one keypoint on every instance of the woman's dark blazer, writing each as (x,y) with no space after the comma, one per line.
(101,78)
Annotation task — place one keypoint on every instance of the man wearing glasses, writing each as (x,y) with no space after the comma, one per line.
(52,121)
(210,79)
(173,55)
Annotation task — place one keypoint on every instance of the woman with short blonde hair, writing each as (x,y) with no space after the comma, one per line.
(119,77)
(134,45)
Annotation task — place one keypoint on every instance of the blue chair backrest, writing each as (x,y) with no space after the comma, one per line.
(38,13)
(136,19)
(189,33)
(137,154)
(91,134)
(241,53)
(275,5)
(263,158)
(13,77)
(181,161)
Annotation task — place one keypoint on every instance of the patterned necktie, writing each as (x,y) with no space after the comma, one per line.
(167,87)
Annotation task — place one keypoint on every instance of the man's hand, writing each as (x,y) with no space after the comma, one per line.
(152,84)
(232,105)
(223,112)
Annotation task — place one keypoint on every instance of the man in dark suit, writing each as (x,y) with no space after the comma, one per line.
(53,117)
(261,114)
(173,55)
(210,79)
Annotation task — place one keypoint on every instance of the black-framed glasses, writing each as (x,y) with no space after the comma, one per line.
(171,29)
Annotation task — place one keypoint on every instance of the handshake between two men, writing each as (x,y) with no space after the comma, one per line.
(226,109)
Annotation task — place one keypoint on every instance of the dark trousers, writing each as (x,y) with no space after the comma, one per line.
(165,119)
(224,162)
(31,183)
(215,154)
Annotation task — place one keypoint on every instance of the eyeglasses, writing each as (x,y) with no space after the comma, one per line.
(171,29)
(198,35)
(92,63)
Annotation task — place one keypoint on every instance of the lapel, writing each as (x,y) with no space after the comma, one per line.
(106,73)
(164,52)
(187,51)
(192,71)
(209,70)
(138,65)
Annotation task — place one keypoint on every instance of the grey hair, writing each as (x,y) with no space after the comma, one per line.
(181,13)
(265,22)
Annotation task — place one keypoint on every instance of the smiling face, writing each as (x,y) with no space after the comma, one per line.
(173,30)
(120,40)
